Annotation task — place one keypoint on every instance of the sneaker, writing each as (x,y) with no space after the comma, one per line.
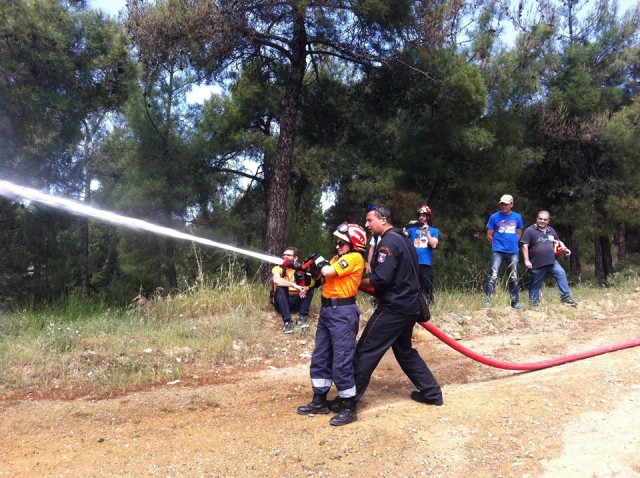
(535,304)
(418,397)
(302,322)
(517,305)
(487,302)
(570,302)
(288,328)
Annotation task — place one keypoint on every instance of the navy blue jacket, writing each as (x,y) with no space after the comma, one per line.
(392,274)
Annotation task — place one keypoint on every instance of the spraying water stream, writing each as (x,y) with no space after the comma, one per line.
(10,190)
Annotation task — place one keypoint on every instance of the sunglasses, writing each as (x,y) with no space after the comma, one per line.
(343,228)
(287,255)
(341,243)
(373,207)
(545,219)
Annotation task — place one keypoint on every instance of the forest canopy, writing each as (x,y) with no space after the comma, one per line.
(321,108)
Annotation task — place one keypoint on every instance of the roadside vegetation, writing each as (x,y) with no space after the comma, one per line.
(82,347)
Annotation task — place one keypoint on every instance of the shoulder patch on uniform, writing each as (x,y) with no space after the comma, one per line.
(344,264)
(383,252)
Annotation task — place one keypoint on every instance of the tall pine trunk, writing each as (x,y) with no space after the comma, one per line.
(621,243)
(575,267)
(277,189)
(603,261)
(84,242)
(172,276)
(90,128)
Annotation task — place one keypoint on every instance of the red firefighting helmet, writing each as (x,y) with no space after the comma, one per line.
(354,234)
(424,209)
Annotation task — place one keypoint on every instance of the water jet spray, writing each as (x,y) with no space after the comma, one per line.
(11,190)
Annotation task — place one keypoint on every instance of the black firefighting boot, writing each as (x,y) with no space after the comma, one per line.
(317,406)
(334,404)
(347,413)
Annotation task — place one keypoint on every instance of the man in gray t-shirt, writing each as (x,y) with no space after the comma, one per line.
(540,244)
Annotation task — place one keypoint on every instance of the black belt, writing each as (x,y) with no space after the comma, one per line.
(336,302)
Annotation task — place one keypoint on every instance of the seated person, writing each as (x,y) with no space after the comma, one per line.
(292,291)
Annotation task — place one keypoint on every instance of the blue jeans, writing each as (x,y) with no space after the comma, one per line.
(511,259)
(537,276)
(286,303)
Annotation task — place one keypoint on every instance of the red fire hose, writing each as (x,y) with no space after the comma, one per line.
(525,366)
(365,287)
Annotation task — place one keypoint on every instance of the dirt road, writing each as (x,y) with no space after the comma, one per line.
(581,419)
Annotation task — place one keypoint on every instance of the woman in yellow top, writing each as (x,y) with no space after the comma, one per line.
(332,359)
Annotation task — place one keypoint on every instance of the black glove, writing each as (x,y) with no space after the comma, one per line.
(414,223)
(302,278)
(312,256)
(314,271)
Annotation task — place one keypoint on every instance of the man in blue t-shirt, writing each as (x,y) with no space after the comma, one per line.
(504,229)
(425,239)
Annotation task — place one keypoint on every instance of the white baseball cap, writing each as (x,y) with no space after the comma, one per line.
(506,199)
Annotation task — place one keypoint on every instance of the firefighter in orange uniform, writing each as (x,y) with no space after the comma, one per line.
(335,346)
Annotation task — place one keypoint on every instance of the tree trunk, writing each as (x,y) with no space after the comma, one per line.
(607,259)
(574,259)
(84,241)
(621,243)
(89,129)
(277,189)
(598,263)
(172,276)
(603,262)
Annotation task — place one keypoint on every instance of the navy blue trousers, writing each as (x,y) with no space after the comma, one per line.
(386,329)
(335,348)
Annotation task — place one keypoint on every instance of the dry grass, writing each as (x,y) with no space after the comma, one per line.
(200,336)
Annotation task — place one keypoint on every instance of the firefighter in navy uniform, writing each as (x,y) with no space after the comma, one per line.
(335,346)
(393,279)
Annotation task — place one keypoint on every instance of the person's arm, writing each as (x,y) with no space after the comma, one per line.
(431,240)
(490,236)
(328,271)
(280,281)
(565,250)
(525,255)
(519,226)
(369,258)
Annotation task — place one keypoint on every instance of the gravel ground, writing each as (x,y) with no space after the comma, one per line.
(575,420)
